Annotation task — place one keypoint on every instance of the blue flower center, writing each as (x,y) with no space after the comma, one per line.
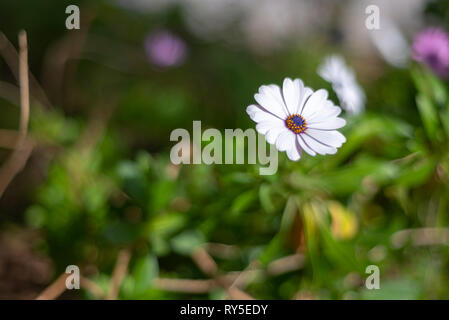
(296,123)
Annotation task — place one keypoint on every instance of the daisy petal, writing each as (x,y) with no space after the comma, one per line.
(327,124)
(294,153)
(324,115)
(259,114)
(315,103)
(291,91)
(304,145)
(285,141)
(318,147)
(272,134)
(307,92)
(332,111)
(270,98)
(332,138)
(251,109)
(329,111)
(263,127)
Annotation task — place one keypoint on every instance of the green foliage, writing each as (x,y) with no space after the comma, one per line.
(116,188)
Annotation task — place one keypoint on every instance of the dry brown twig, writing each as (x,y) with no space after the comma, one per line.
(24,87)
(92,287)
(286,264)
(11,57)
(252,270)
(120,270)
(22,151)
(55,289)
(9,138)
(420,237)
(185,285)
(233,282)
(206,264)
(221,250)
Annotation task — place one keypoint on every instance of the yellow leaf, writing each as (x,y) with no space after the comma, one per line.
(344,222)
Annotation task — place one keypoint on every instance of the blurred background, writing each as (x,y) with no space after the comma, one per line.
(93,185)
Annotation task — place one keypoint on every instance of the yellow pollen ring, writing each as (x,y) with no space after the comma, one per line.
(296,123)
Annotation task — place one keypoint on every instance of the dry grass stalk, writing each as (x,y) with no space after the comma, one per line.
(54,290)
(120,270)
(185,285)
(22,151)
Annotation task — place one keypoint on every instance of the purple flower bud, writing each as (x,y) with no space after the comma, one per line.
(165,49)
(431,47)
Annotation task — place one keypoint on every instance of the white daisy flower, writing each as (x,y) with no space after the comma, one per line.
(296,118)
(349,92)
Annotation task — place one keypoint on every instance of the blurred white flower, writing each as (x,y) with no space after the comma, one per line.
(335,71)
(399,19)
(391,43)
(296,118)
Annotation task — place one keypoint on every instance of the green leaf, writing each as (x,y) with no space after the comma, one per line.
(444,116)
(416,174)
(275,247)
(428,114)
(161,194)
(342,255)
(369,126)
(186,242)
(273,250)
(134,182)
(438,89)
(145,270)
(167,223)
(243,201)
(381,172)
(265,198)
